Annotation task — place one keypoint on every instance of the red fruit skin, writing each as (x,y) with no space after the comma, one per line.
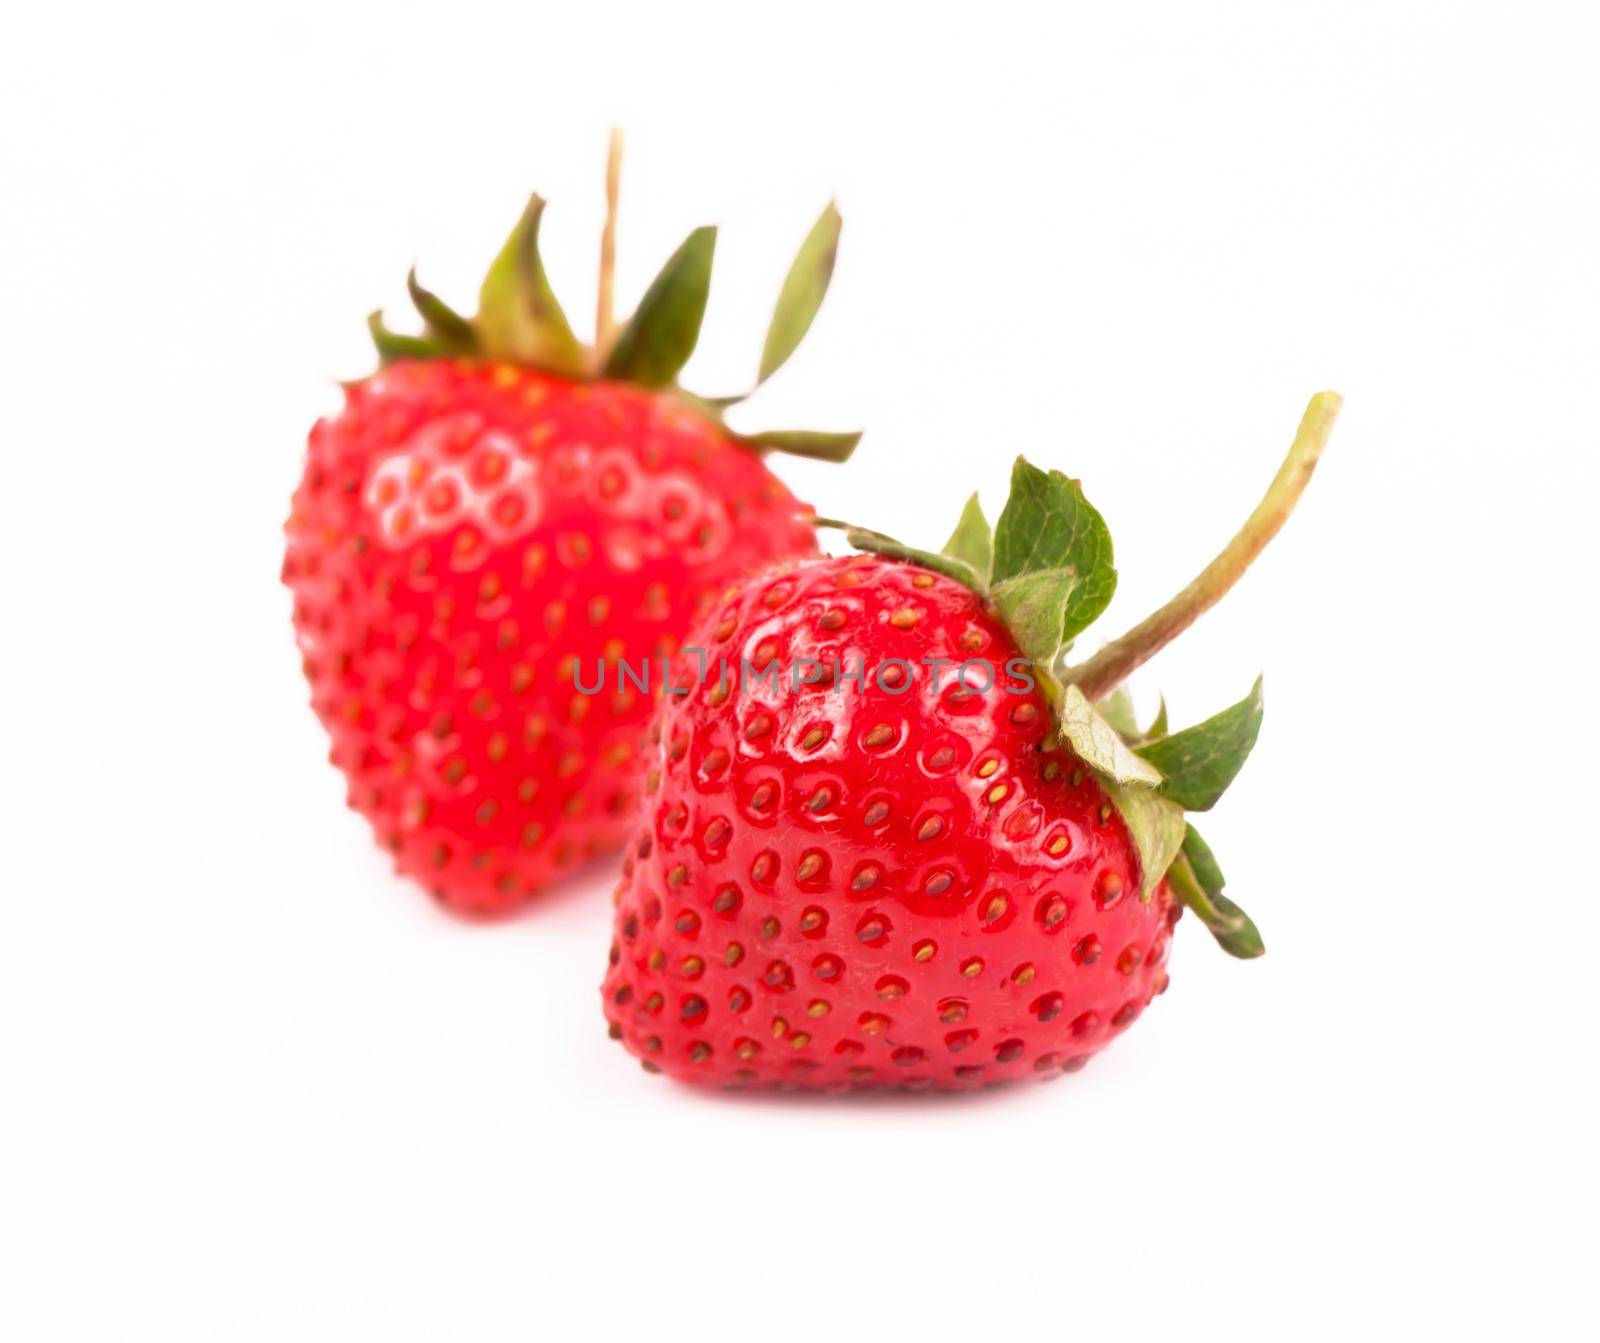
(781,921)
(466,537)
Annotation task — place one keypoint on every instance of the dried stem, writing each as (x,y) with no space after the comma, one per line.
(605,325)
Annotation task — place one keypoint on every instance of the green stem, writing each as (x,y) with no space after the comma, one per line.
(1117,659)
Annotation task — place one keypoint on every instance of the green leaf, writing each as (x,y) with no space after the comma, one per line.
(1235,931)
(1197,881)
(1097,744)
(802,443)
(1206,868)
(1033,606)
(1200,762)
(518,316)
(802,292)
(879,544)
(442,321)
(1156,827)
(1117,709)
(972,542)
(391,345)
(1048,524)
(663,331)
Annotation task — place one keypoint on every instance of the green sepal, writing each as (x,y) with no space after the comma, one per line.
(519,318)
(664,329)
(520,321)
(391,345)
(1155,825)
(1098,744)
(1048,524)
(972,542)
(439,319)
(1199,763)
(1197,881)
(1236,932)
(1034,606)
(826,447)
(879,544)
(1117,709)
(1206,868)
(803,291)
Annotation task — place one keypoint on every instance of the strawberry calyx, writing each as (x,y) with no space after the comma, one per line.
(1045,569)
(520,321)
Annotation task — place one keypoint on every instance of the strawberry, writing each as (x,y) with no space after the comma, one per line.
(890,837)
(498,507)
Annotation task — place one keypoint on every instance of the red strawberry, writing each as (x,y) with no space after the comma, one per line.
(481,525)
(872,865)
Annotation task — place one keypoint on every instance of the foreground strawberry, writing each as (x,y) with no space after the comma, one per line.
(890,838)
(499,507)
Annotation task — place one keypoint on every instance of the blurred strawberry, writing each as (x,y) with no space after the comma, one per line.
(494,524)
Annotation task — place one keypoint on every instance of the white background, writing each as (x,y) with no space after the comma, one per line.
(259,1089)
